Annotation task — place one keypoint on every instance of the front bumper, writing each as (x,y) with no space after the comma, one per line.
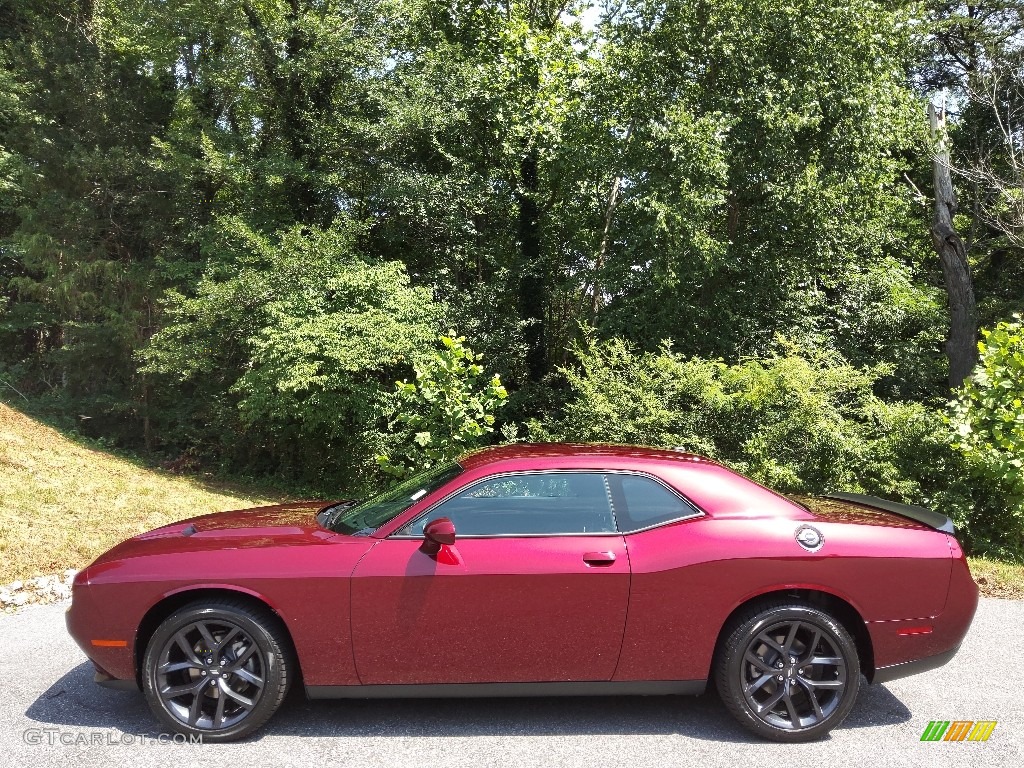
(104,678)
(90,628)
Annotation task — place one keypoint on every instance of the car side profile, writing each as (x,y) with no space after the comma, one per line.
(532,570)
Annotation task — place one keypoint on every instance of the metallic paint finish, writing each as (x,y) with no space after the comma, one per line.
(512,610)
(501,690)
(379,611)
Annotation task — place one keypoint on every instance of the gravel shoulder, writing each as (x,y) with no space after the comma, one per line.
(50,698)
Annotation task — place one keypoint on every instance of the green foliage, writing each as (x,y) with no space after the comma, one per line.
(292,345)
(796,421)
(988,419)
(448,410)
(227,228)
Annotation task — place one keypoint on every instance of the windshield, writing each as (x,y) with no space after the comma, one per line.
(367,516)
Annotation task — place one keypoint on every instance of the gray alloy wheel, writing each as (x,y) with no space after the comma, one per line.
(788,671)
(217,668)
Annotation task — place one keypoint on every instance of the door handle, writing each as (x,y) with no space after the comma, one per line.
(601,559)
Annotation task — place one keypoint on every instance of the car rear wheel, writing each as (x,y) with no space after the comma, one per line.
(788,671)
(217,669)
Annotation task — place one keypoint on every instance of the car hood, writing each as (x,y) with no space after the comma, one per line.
(291,524)
(296,518)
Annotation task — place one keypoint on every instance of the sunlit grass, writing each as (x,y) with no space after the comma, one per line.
(998,579)
(63,503)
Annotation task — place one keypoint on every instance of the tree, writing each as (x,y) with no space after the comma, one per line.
(973,55)
(448,410)
(963,325)
(988,417)
(284,357)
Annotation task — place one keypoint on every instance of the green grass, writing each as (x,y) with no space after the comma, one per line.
(62,503)
(998,579)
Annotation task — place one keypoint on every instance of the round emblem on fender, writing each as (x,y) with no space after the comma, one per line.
(809,538)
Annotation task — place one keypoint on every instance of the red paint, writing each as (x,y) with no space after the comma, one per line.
(511,610)
(645,606)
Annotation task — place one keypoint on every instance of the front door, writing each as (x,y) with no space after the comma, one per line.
(534,589)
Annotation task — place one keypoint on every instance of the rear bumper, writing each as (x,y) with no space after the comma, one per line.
(909,646)
(907,668)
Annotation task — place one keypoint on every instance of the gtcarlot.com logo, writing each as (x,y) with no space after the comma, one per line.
(958,730)
(50,737)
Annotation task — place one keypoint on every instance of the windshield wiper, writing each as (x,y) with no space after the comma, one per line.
(335,512)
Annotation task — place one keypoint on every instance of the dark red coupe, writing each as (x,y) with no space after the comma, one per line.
(532,570)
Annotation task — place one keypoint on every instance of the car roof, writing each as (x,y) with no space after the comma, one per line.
(712,487)
(513,451)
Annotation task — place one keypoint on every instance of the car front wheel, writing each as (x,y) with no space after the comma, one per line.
(216,669)
(788,671)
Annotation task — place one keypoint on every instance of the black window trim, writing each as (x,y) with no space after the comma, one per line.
(696,511)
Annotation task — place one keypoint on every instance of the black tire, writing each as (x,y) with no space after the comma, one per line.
(787,671)
(217,668)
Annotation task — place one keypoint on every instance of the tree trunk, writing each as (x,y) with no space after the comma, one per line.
(606,230)
(962,340)
(532,299)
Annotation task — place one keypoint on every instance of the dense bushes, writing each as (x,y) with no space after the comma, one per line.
(448,410)
(790,421)
(988,419)
(289,354)
(796,421)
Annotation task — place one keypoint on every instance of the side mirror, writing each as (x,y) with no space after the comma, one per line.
(438,533)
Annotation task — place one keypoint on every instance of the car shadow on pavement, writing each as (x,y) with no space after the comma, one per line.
(74,700)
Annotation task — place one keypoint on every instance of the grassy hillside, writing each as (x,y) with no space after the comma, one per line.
(62,503)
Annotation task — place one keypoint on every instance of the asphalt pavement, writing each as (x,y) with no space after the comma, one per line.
(54,715)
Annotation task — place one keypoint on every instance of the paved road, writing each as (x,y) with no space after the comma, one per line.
(47,689)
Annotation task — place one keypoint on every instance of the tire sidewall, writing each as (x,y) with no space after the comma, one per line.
(730,669)
(269,647)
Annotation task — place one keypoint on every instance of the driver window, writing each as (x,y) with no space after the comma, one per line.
(526,504)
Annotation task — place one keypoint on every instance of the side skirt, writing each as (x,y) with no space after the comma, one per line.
(496,690)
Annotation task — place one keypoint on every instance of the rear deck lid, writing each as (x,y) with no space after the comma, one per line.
(859,507)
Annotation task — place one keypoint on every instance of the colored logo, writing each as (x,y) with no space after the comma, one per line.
(959,730)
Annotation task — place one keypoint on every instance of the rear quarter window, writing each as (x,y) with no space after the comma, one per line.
(643,502)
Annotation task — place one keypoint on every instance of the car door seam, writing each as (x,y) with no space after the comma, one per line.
(351,610)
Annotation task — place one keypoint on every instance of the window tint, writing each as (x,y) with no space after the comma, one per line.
(641,502)
(365,517)
(526,504)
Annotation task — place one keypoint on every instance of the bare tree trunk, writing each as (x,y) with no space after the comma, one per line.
(532,299)
(602,250)
(962,341)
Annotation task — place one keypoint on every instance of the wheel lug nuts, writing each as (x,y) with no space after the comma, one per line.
(204,673)
(780,678)
(209,661)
